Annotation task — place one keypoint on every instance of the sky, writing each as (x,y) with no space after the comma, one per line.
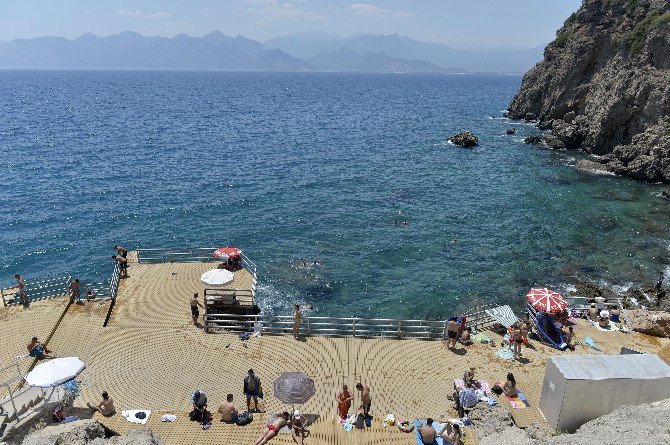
(526,23)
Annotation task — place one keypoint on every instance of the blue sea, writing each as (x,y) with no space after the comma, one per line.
(350,171)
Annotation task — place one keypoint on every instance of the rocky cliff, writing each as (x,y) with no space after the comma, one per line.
(604,86)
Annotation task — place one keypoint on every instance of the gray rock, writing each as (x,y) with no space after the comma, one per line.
(490,419)
(534,139)
(141,436)
(80,432)
(465,139)
(603,86)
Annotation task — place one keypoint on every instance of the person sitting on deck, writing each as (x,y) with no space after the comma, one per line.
(451,434)
(467,398)
(465,336)
(38,350)
(469,379)
(615,315)
(228,411)
(199,400)
(604,320)
(509,388)
(428,433)
(106,407)
(570,338)
(272,428)
(298,424)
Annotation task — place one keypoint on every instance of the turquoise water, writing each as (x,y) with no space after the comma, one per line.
(316,167)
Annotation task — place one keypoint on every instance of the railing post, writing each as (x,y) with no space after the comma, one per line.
(399,329)
(11,397)
(2,292)
(353,325)
(309,328)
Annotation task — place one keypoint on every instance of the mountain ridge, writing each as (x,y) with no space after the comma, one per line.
(218,51)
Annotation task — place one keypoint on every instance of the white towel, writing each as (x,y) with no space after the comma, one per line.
(129,415)
(168,418)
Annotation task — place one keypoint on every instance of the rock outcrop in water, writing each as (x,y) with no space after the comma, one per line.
(604,86)
(465,139)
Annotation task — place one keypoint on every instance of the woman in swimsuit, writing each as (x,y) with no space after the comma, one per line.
(451,434)
(272,428)
(517,339)
(509,388)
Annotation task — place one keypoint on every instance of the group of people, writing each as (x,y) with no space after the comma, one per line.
(518,335)
(603,316)
(344,398)
(450,433)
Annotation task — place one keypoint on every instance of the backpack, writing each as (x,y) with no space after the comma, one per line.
(58,414)
(245,418)
(497,389)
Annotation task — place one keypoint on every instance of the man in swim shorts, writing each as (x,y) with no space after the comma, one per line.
(252,389)
(195,313)
(106,407)
(366,399)
(38,350)
(452,328)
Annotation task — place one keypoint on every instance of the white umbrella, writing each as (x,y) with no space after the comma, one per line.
(217,277)
(55,372)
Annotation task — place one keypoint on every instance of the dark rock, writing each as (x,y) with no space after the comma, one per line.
(665,194)
(510,130)
(534,140)
(603,86)
(465,139)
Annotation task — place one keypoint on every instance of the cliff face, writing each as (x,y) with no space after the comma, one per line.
(604,86)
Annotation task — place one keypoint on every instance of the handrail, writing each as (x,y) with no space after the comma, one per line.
(37,290)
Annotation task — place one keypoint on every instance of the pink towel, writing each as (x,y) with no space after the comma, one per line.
(460,384)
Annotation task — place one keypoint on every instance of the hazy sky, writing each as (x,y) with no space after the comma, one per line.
(477,22)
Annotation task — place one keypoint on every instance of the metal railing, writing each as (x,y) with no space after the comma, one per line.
(607,301)
(114,281)
(14,387)
(37,290)
(240,296)
(356,327)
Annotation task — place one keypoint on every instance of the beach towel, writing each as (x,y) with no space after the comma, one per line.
(168,418)
(612,327)
(437,426)
(481,337)
(131,415)
(591,343)
(460,384)
(515,402)
(519,401)
(505,354)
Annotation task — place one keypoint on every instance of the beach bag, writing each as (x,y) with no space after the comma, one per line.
(58,414)
(360,422)
(497,389)
(194,415)
(245,418)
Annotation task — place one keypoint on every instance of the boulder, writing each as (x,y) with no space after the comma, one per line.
(654,323)
(81,432)
(510,130)
(534,139)
(465,139)
(141,436)
(490,419)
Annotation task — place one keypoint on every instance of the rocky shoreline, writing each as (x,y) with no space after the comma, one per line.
(604,87)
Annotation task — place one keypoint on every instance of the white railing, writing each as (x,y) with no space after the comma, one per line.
(37,290)
(357,327)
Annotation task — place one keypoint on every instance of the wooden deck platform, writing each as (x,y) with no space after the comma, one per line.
(152,357)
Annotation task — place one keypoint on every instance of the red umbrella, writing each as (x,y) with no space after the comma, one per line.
(227,252)
(546,300)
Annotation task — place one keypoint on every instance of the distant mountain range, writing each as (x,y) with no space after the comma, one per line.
(304,51)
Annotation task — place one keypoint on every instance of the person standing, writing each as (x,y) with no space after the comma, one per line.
(366,398)
(123,264)
(517,339)
(452,327)
(297,317)
(344,398)
(195,313)
(252,389)
(74,290)
(23,291)
(121,251)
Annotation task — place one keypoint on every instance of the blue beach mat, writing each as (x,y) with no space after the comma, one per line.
(505,354)
(523,398)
